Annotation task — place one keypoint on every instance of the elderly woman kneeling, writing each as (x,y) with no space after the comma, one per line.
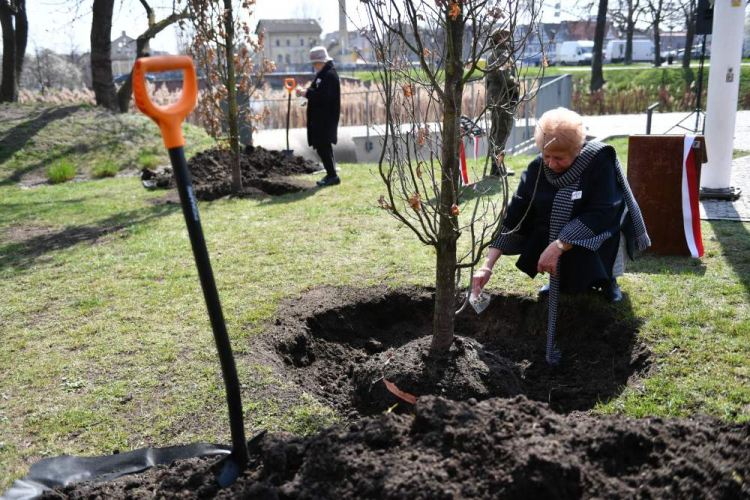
(567,216)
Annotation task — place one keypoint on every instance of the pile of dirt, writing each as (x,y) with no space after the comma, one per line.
(498,448)
(263,172)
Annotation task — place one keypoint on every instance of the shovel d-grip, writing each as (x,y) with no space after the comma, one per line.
(169,119)
(289,84)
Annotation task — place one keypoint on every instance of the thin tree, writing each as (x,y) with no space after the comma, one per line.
(102,79)
(626,17)
(427,52)
(223,48)
(15,27)
(141,48)
(597,75)
(655,10)
(689,10)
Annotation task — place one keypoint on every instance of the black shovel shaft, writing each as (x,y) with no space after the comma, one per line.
(202,262)
(288,112)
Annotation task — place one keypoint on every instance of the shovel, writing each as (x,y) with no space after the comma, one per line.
(169,120)
(289,84)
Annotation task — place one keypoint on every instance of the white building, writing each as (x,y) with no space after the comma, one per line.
(287,42)
(122,54)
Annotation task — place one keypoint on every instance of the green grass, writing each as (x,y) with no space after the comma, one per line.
(105,169)
(36,136)
(106,344)
(61,171)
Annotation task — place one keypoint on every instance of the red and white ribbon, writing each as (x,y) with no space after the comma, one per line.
(691,217)
(464,172)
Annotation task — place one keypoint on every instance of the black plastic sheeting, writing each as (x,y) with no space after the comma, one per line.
(50,473)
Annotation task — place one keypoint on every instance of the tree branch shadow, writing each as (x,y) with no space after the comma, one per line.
(21,255)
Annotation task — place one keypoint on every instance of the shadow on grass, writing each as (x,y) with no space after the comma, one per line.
(23,254)
(734,239)
(651,263)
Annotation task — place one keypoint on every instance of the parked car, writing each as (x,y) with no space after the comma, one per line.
(695,53)
(643,51)
(577,52)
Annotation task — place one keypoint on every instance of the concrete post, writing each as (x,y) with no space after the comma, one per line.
(723,89)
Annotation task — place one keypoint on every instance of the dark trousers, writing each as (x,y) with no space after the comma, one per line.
(325,151)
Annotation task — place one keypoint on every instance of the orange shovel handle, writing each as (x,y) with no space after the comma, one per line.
(168,118)
(289,84)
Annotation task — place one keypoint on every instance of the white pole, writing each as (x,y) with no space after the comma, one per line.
(723,89)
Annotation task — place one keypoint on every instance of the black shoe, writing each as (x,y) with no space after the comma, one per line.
(544,291)
(329,181)
(612,292)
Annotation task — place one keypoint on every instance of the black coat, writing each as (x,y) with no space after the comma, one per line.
(323,107)
(599,208)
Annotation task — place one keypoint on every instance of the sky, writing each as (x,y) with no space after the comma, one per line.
(54,24)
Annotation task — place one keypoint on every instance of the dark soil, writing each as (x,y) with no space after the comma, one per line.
(264,172)
(498,448)
(340,344)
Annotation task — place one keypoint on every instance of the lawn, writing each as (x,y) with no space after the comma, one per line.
(107,346)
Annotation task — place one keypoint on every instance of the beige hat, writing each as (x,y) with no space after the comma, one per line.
(319,54)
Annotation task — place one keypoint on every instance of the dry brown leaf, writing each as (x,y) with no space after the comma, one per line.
(454,11)
(409,398)
(454,209)
(419,170)
(415,203)
(407,90)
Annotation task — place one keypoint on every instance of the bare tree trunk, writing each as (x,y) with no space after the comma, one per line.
(629,30)
(690,18)
(445,278)
(22,36)
(8,88)
(657,36)
(597,75)
(126,91)
(234,135)
(101,61)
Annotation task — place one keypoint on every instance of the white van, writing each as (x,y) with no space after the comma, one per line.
(577,52)
(643,51)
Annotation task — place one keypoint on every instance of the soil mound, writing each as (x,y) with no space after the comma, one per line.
(263,172)
(498,448)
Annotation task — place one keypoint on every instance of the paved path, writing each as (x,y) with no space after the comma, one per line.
(732,210)
(598,126)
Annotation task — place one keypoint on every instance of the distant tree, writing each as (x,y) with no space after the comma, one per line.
(689,10)
(46,70)
(102,79)
(223,50)
(597,75)
(656,11)
(626,17)
(15,27)
(141,48)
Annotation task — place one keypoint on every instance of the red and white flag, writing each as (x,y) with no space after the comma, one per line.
(691,217)
(464,172)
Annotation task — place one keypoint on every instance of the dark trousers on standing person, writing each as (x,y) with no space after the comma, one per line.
(325,151)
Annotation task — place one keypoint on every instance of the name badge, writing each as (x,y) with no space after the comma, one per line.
(576,195)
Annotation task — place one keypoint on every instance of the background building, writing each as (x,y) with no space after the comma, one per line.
(287,42)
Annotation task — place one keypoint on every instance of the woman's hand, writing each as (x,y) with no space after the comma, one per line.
(300,91)
(548,260)
(481,278)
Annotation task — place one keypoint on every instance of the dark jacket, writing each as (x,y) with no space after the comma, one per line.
(323,107)
(600,208)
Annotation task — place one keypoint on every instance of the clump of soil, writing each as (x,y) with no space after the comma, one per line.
(263,172)
(341,344)
(498,448)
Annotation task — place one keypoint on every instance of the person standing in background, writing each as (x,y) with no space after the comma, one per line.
(502,94)
(323,109)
